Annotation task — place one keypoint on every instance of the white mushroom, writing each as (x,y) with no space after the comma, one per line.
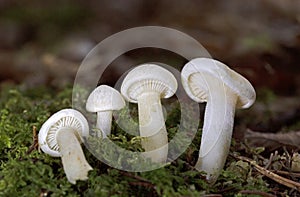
(208,80)
(60,136)
(103,100)
(146,85)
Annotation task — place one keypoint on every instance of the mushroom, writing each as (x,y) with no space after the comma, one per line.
(146,85)
(208,80)
(103,100)
(60,136)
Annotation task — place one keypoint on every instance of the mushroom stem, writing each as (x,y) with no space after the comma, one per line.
(75,165)
(152,127)
(217,128)
(104,119)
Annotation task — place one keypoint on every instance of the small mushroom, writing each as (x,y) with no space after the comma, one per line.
(208,80)
(146,85)
(60,136)
(103,100)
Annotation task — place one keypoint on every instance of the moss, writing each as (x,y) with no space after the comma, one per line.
(27,172)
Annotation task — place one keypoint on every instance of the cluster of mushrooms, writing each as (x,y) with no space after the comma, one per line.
(204,80)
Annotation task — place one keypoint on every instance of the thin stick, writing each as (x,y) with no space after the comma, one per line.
(137,178)
(279,179)
(272,156)
(292,174)
(35,141)
(264,194)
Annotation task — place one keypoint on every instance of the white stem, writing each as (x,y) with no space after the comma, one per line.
(217,129)
(104,122)
(152,127)
(75,165)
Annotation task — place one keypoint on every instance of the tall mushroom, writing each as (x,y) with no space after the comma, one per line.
(103,100)
(146,85)
(60,136)
(208,80)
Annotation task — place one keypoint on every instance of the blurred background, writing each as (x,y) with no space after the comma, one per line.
(42,43)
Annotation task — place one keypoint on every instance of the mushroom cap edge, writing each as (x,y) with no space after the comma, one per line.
(233,80)
(43,133)
(97,103)
(163,79)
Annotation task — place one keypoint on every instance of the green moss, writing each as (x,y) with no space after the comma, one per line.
(31,173)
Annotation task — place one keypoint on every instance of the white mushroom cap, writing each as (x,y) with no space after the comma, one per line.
(64,118)
(237,83)
(148,77)
(104,98)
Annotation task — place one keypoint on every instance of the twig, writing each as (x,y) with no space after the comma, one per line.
(144,184)
(264,194)
(35,141)
(288,161)
(187,164)
(275,177)
(272,156)
(143,181)
(228,189)
(292,174)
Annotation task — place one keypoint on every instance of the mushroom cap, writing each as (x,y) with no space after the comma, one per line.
(148,77)
(236,82)
(64,118)
(104,98)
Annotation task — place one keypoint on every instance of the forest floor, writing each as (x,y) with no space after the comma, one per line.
(42,49)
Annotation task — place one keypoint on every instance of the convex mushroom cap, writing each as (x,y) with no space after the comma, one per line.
(103,100)
(62,119)
(148,77)
(233,80)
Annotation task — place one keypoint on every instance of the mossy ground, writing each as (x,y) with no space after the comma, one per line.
(25,171)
